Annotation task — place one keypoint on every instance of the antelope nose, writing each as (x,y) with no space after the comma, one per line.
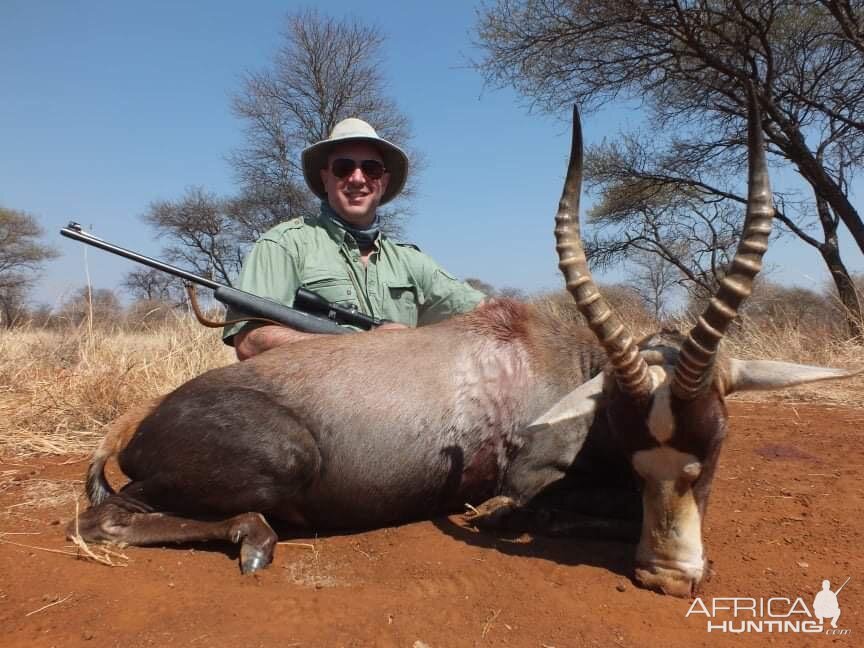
(672,578)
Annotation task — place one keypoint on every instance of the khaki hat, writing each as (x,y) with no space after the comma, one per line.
(352,129)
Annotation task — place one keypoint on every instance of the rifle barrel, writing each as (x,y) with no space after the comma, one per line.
(252,305)
(842,586)
(75,232)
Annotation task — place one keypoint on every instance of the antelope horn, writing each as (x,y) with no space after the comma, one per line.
(631,370)
(695,362)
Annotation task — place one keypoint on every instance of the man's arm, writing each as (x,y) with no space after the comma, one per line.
(445,295)
(270,270)
(251,342)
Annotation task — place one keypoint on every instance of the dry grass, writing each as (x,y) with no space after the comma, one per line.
(42,493)
(788,337)
(792,342)
(309,570)
(59,388)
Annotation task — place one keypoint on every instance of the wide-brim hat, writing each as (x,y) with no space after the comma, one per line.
(314,158)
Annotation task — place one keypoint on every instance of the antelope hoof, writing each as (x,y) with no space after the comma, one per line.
(253,558)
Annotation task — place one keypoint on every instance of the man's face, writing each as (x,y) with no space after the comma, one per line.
(355,196)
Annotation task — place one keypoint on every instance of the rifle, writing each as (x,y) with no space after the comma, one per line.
(311,302)
(842,586)
(254,306)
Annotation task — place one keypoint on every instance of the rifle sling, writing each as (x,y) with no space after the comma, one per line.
(203,319)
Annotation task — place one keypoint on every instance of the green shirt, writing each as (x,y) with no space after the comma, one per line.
(399,283)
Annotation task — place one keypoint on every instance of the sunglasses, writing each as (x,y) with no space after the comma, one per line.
(343,167)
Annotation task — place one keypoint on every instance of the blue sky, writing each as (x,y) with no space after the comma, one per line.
(107,106)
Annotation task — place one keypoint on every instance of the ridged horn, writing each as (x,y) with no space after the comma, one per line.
(631,370)
(695,362)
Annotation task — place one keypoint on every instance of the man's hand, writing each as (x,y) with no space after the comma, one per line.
(249,343)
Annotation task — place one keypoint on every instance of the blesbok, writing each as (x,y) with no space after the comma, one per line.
(489,407)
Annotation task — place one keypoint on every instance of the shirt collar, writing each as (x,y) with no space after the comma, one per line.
(335,230)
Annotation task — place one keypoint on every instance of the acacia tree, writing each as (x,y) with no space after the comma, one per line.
(642,186)
(21,257)
(689,63)
(693,232)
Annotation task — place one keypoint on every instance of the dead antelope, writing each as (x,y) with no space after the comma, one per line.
(489,407)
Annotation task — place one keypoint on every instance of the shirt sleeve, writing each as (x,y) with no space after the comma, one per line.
(443,294)
(270,270)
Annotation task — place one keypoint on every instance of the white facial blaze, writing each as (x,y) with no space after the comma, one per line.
(672,526)
(661,423)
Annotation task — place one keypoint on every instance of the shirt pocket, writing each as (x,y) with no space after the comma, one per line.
(402,306)
(336,290)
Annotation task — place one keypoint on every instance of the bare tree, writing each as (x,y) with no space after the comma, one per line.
(691,232)
(689,63)
(201,235)
(21,257)
(100,306)
(489,290)
(653,278)
(803,308)
(153,286)
(208,234)
(484,287)
(13,305)
(325,70)
(849,24)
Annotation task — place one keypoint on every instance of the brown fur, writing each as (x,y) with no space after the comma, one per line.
(119,432)
(504,320)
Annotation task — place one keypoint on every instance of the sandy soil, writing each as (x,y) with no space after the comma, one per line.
(786,513)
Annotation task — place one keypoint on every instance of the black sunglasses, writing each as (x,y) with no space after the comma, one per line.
(343,167)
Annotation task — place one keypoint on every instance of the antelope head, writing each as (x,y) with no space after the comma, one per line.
(664,397)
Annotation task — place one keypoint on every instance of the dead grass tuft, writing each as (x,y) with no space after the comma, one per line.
(309,570)
(58,389)
(787,337)
(790,340)
(102,554)
(44,493)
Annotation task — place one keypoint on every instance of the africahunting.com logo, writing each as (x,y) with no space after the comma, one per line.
(779,614)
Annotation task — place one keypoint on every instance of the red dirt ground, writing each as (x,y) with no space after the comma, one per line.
(786,513)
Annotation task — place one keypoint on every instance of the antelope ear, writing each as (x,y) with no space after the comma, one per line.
(752,375)
(579,403)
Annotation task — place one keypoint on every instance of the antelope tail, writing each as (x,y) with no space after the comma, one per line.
(120,430)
